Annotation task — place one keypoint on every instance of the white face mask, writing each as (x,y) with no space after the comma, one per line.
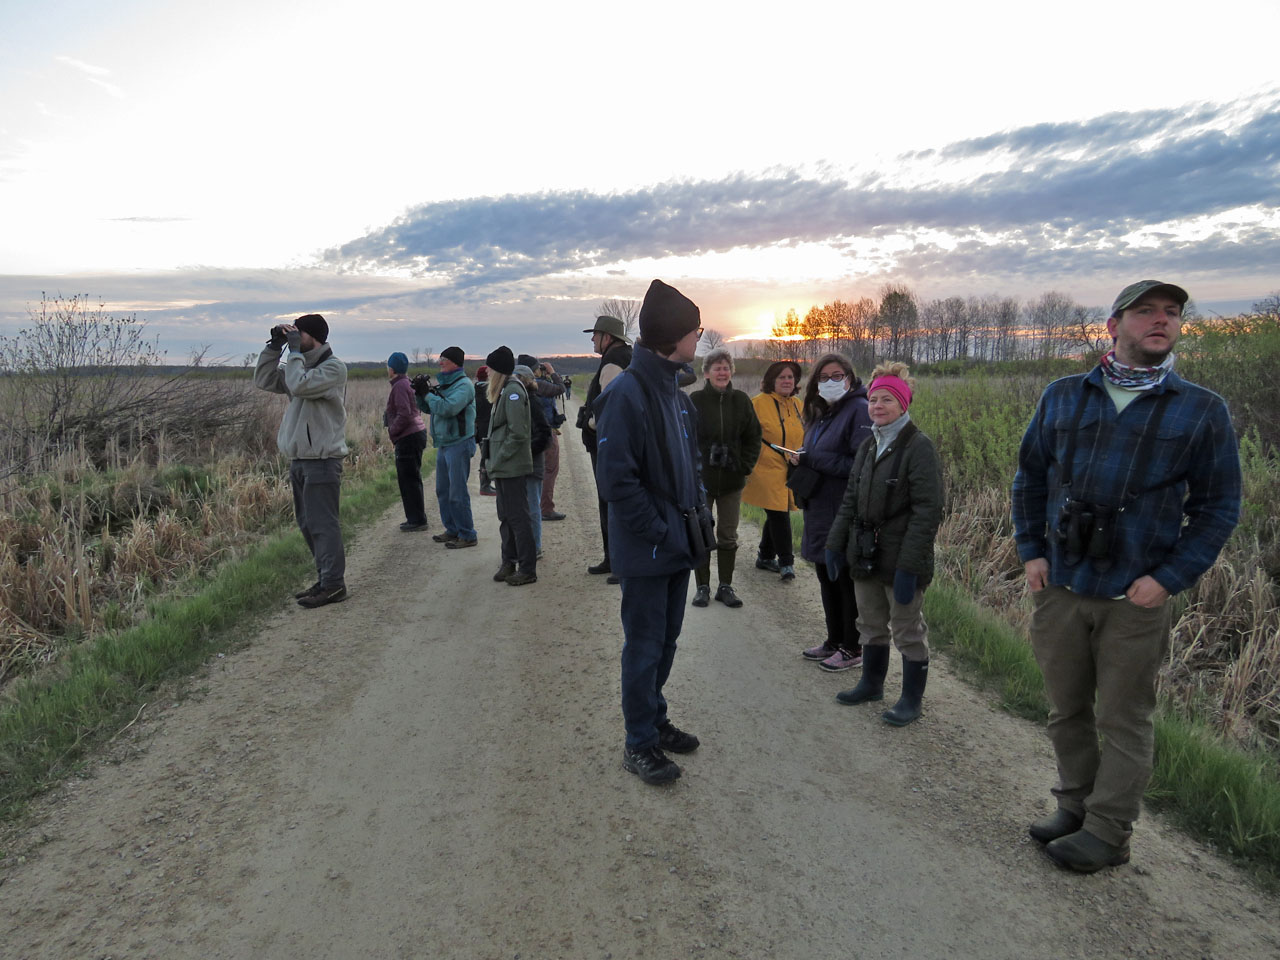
(832,390)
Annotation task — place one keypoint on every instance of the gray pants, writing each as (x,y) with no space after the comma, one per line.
(882,618)
(316,485)
(1100,658)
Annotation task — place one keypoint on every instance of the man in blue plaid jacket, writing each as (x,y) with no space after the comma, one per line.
(1128,486)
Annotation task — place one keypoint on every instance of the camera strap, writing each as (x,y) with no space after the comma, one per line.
(1146,447)
(782,424)
(903,441)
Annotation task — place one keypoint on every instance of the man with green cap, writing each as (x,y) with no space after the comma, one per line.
(609,340)
(1128,485)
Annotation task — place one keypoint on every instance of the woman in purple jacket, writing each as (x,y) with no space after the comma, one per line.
(835,424)
(409,434)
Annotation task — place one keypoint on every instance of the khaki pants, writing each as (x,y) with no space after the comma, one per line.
(727,509)
(880,618)
(1100,658)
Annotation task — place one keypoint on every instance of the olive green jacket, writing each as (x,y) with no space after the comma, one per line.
(510,433)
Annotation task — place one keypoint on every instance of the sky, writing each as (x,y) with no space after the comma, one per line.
(427,174)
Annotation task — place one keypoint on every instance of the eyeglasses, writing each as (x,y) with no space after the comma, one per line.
(837,377)
(699,333)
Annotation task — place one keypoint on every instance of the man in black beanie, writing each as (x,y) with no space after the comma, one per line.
(647,472)
(313,435)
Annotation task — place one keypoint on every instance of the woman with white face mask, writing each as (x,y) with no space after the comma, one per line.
(835,425)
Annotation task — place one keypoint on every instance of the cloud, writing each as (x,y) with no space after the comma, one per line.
(1094,182)
(93,74)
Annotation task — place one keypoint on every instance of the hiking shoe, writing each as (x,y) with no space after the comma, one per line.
(702,596)
(788,572)
(457,543)
(488,492)
(553,515)
(650,764)
(323,596)
(504,571)
(725,594)
(445,537)
(520,579)
(602,567)
(1061,823)
(820,652)
(314,588)
(1083,852)
(842,659)
(408,527)
(767,563)
(671,737)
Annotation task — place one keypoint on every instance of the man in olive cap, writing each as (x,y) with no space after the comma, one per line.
(647,472)
(298,362)
(609,339)
(1128,485)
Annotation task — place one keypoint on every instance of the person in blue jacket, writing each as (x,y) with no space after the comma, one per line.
(452,405)
(647,473)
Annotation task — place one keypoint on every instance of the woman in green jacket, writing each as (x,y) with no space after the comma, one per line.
(729,441)
(883,534)
(509,460)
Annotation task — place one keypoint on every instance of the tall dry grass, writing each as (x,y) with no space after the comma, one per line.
(93,534)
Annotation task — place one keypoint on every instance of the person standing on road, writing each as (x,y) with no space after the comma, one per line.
(539,443)
(648,474)
(778,409)
(884,530)
(482,426)
(1128,486)
(836,424)
(608,338)
(451,401)
(409,436)
(313,436)
(729,443)
(509,459)
(546,386)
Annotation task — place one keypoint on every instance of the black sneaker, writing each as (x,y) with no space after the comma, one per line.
(671,737)
(407,527)
(324,596)
(602,567)
(445,537)
(702,596)
(650,764)
(725,594)
(504,571)
(767,563)
(314,588)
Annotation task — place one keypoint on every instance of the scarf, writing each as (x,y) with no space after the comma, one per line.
(1134,378)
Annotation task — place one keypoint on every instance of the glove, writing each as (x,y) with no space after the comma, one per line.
(295,340)
(904,586)
(837,563)
(421,384)
(278,338)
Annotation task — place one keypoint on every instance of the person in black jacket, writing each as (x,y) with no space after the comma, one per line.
(539,442)
(729,442)
(482,426)
(609,339)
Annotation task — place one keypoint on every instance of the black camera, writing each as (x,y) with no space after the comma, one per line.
(718,455)
(421,384)
(1087,530)
(584,417)
(278,336)
(866,544)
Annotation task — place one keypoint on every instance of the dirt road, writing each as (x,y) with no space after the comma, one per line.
(432,769)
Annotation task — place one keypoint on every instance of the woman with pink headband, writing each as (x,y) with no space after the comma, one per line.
(883,536)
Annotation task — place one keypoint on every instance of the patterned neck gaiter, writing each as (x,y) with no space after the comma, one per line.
(1134,378)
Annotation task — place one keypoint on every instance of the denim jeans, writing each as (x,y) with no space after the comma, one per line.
(533,485)
(453,468)
(652,615)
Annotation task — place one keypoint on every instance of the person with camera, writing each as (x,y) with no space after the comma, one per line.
(451,402)
(836,424)
(777,407)
(883,535)
(1128,485)
(509,459)
(729,442)
(298,362)
(608,338)
(482,426)
(659,525)
(546,386)
(409,436)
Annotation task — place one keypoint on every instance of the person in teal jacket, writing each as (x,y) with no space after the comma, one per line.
(451,402)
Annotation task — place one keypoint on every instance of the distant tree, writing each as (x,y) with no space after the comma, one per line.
(628,311)
(899,321)
(1049,319)
(422,356)
(1087,330)
(1268,306)
(249,359)
(711,339)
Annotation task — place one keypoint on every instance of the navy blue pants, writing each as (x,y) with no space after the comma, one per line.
(652,615)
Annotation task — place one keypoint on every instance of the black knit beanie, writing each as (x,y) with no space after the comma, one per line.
(314,324)
(667,315)
(453,354)
(502,360)
(529,360)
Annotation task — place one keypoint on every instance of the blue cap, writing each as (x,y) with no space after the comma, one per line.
(398,362)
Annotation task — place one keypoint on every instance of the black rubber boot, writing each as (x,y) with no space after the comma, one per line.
(875,664)
(915,673)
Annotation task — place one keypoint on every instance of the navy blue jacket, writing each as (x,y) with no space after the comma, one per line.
(647,535)
(829,448)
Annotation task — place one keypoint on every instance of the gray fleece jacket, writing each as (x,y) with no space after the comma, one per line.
(315,423)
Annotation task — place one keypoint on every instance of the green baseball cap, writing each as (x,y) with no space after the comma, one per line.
(1135,291)
(612,326)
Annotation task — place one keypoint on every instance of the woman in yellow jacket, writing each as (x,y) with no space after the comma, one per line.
(777,406)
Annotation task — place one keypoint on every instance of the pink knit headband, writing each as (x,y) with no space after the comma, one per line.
(895,385)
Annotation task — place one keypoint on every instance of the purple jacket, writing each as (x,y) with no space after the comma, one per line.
(829,448)
(402,417)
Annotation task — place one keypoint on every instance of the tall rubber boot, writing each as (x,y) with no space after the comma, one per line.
(724,564)
(875,665)
(915,673)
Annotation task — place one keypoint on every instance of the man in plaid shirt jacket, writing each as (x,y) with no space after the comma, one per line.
(1128,486)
